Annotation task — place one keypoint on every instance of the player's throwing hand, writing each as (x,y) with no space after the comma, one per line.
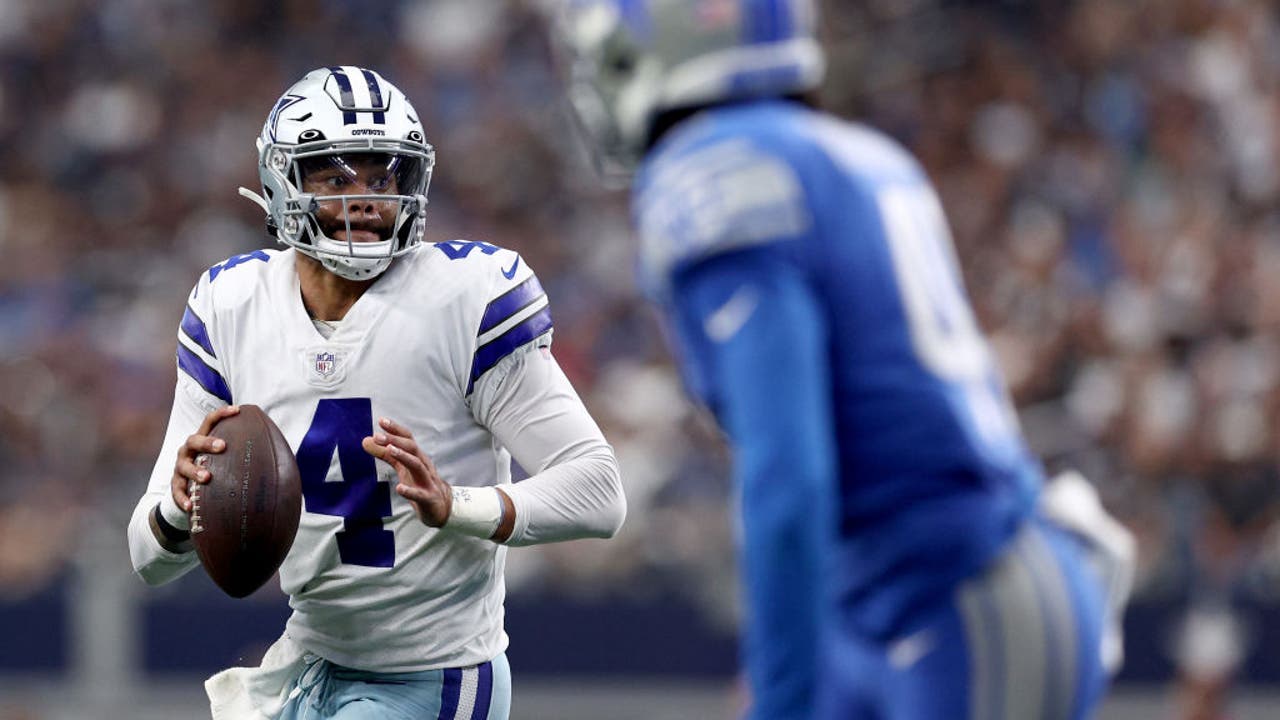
(187,470)
(419,483)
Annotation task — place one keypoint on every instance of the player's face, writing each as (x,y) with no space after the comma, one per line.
(358,178)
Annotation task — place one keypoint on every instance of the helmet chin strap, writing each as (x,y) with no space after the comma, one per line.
(329,251)
(331,254)
(346,267)
(355,268)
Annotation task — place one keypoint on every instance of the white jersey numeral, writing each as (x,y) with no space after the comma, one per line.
(944,334)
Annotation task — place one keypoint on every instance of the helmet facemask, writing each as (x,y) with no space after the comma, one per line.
(605,67)
(308,209)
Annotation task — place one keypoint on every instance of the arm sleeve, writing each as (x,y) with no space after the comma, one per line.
(575,490)
(201,389)
(752,326)
(154,564)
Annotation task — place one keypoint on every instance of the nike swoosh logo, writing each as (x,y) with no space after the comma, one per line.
(511,272)
(729,318)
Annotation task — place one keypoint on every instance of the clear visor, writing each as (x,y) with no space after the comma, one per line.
(375,175)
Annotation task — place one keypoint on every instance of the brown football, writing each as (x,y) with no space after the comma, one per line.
(244,519)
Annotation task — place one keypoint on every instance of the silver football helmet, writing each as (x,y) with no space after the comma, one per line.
(339,129)
(631,60)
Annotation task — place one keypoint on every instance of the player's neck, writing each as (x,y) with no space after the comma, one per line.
(326,295)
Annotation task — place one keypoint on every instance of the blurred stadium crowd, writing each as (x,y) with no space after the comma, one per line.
(1109,167)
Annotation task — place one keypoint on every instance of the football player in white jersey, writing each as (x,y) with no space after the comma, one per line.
(388,364)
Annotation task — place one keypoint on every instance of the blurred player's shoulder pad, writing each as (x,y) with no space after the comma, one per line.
(717,184)
(752,175)
(866,153)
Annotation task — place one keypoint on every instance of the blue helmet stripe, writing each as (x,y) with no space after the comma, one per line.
(484,692)
(784,20)
(375,95)
(768,21)
(450,693)
(492,352)
(510,303)
(348,97)
(209,379)
(194,328)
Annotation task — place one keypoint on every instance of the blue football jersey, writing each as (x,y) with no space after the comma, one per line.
(808,276)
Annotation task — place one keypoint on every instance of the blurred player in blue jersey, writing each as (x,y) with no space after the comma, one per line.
(898,553)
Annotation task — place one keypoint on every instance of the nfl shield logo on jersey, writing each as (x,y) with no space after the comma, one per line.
(325,364)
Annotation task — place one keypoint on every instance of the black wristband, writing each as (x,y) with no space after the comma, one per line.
(174,537)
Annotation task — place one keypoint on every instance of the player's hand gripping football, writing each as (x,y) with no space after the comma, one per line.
(186,470)
(419,483)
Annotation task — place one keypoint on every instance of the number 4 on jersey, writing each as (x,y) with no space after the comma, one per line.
(359,499)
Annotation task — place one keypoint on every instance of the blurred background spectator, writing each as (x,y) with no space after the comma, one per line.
(1111,169)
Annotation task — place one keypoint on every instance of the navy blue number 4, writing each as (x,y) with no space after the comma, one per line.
(360,500)
(458,249)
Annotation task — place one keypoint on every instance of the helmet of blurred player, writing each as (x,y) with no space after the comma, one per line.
(347,123)
(632,60)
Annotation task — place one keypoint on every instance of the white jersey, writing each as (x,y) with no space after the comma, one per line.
(452,343)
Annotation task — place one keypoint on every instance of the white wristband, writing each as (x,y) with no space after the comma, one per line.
(172,514)
(477,511)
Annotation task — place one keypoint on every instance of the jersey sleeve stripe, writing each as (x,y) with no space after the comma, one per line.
(510,303)
(492,352)
(452,689)
(209,379)
(194,328)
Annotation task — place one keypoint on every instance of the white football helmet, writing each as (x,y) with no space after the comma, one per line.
(337,118)
(632,60)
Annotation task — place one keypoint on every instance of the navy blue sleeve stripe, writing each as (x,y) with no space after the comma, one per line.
(484,692)
(208,378)
(194,327)
(492,352)
(510,303)
(450,693)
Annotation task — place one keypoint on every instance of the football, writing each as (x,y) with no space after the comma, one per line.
(244,519)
